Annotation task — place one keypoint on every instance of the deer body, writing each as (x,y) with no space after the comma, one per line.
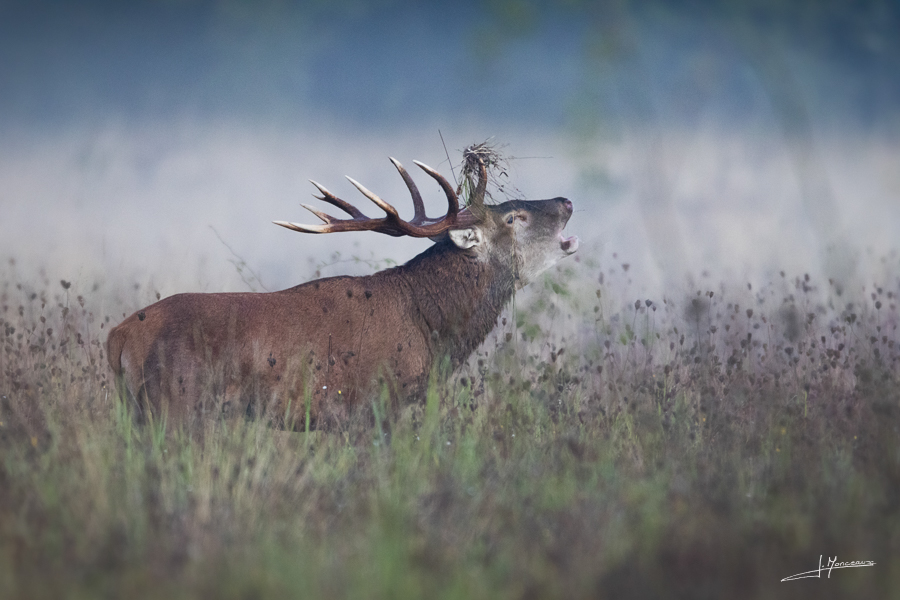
(323,346)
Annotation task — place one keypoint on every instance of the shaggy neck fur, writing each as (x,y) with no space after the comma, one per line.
(458,296)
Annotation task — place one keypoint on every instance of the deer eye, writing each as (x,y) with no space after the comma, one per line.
(510,219)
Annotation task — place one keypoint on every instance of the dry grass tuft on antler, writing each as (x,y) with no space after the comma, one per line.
(485,153)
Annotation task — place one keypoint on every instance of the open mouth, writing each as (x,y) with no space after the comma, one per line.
(568,244)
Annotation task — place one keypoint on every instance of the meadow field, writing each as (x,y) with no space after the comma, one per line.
(598,445)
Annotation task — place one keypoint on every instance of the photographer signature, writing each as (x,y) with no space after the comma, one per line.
(832,564)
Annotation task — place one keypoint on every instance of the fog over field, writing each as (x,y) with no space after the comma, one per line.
(155,145)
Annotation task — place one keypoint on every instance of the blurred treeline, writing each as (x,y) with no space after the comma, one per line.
(579,64)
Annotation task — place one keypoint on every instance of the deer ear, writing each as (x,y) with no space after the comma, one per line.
(466,238)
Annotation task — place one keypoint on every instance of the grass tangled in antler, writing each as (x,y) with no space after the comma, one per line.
(495,164)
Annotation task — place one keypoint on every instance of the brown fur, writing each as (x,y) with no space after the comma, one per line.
(329,342)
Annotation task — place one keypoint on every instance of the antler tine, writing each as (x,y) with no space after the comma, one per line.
(477,198)
(452,199)
(325,217)
(304,228)
(339,225)
(335,201)
(371,196)
(418,205)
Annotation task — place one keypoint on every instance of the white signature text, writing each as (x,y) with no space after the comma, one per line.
(832,564)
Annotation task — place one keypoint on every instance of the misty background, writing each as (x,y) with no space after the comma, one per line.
(153,143)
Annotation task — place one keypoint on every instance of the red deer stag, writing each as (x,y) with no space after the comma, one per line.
(322,346)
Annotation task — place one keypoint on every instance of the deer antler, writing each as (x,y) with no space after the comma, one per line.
(476,159)
(477,199)
(391,224)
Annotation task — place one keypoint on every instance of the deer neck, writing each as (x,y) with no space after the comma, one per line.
(458,298)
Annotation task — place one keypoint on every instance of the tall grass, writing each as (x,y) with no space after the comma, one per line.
(597,446)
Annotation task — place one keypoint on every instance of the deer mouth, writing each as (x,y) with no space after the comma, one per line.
(568,244)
